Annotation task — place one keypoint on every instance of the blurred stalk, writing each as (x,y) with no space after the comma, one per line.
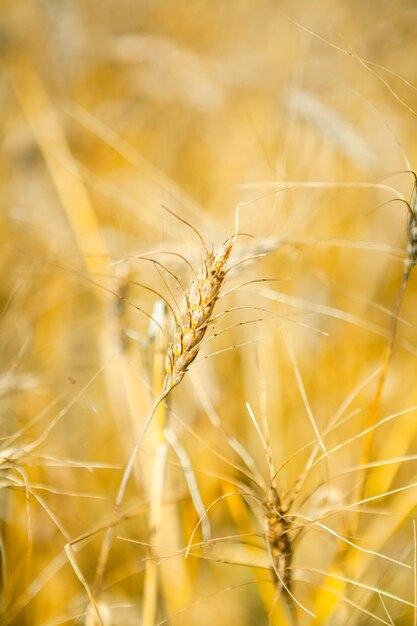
(66,178)
(164,530)
(367,449)
(349,560)
(159,451)
(62,167)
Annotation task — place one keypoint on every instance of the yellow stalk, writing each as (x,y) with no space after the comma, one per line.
(62,167)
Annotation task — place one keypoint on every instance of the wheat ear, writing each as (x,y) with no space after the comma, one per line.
(199,304)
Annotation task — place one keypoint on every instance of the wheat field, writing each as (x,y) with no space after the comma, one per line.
(208,328)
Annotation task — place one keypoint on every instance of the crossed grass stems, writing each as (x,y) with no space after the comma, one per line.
(283,522)
(283,527)
(276,506)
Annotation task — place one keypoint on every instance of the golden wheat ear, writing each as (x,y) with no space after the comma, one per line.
(198,309)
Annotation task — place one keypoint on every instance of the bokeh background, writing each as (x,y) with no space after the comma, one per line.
(302,113)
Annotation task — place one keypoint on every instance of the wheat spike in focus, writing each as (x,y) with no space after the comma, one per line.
(199,304)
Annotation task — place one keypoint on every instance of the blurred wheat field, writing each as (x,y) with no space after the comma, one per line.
(274,482)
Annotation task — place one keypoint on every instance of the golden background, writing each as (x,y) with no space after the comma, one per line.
(304,115)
